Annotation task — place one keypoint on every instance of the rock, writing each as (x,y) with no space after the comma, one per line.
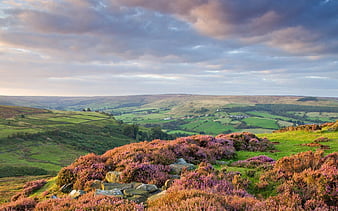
(138,198)
(178,168)
(76,193)
(220,162)
(115,192)
(97,184)
(168,184)
(131,192)
(66,188)
(181,161)
(147,187)
(111,186)
(113,177)
(156,196)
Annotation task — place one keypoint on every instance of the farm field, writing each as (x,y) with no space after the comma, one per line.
(192,114)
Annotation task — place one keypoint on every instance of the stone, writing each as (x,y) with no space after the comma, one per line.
(114,192)
(178,168)
(181,161)
(138,198)
(157,196)
(113,177)
(221,162)
(168,183)
(111,186)
(67,188)
(97,184)
(131,192)
(147,187)
(76,193)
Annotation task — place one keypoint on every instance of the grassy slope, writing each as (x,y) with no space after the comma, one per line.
(52,139)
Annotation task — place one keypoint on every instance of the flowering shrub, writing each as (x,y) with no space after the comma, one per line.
(260,161)
(207,179)
(89,202)
(29,188)
(26,204)
(146,173)
(82,171)
(308,175)
(189,200)
(248,141)
(145,161)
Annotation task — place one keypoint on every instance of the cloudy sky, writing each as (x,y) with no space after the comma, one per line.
(130,47)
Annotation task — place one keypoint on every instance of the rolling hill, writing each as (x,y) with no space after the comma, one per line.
(199,114)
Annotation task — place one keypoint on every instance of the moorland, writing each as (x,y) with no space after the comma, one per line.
(291,163)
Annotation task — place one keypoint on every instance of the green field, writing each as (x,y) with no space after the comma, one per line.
(189,113)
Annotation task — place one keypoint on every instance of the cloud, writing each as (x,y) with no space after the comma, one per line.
(116,47)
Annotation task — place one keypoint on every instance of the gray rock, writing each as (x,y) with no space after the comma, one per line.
(131,192)
(114,192)
(220,162)
(97,184)
(178,168)
(111,186)
(113,177)
(67,188)
(147,187)
(76,193)
(138,198)
(181,161)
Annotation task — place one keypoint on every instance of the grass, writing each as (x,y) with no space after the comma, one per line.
(290,143)
(261,122)
(53,139)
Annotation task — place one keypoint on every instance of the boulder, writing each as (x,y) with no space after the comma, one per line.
(113,177)
(130,192)
(115,192)
(76,193)
(178,168)
(112,186)
(138,198)
(97,184)
(168,183)
(147,187)
(67,188)
(181,161)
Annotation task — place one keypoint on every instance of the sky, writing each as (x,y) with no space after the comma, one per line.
(134,47)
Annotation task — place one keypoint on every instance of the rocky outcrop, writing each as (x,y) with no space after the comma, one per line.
(137,192)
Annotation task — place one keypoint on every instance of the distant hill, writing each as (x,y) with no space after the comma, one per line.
(33,141)
(183,115)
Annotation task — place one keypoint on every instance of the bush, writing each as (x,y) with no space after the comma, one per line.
(22,204)
(29,188)
(311,176)
(89,202)
(146,173)
(248,142)
(260,161)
